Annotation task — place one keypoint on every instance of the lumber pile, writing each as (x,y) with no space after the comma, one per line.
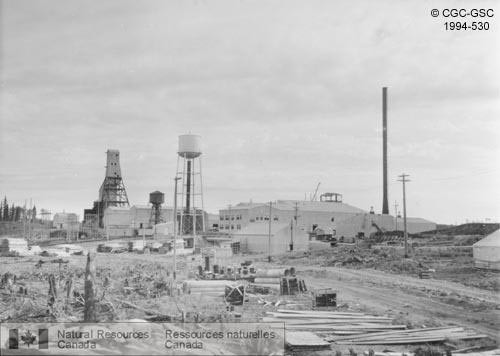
(305,341)
(413,336)
(331,323)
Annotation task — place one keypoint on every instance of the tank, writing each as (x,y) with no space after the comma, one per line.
(189,146)
(156,197)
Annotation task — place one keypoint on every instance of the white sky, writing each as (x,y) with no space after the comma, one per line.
(284,93)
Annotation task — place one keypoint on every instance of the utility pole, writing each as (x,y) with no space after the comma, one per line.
(269,237)
(396,215)
(176,179)
(294,224)
(405,180)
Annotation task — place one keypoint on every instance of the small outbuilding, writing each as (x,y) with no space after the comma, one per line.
(486,252)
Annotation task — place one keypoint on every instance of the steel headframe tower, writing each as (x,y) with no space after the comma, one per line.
(112,191)
(190,215)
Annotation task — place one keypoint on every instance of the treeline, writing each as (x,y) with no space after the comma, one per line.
(13,212)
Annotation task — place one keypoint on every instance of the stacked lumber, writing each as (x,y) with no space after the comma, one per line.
(413,336)
(214,288)
(305,341)
(12,245)
(330,322)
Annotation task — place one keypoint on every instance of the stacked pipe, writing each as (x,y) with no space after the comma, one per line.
(272,276)
(214,288)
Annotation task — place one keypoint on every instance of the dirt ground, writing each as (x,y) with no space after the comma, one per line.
(396,293)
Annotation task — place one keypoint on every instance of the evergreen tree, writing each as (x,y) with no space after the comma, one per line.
(18,213)
(1,210)
(5,209)
(33,214)
(12,212)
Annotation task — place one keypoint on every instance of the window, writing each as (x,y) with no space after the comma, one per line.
(232,227)
(275,218)
(238,227)
(333,219)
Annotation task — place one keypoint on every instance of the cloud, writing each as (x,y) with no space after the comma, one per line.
(285,94)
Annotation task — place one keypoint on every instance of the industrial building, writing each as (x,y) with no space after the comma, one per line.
(327,214)
(65,221)
(256,238)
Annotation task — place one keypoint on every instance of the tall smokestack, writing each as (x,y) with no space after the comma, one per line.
(385,203)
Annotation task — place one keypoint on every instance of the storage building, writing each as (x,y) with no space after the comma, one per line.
(486,252)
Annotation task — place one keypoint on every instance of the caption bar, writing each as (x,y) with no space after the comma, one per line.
(142,338)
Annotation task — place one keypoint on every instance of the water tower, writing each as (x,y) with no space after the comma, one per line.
(156,199)
(190,219)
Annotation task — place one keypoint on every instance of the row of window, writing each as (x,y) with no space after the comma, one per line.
(263,218)
(227,217)
(230,227)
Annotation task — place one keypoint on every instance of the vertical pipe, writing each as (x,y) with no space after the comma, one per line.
(202,203)
(176,179)
(188,187)
(269,237)
(194,196)
(181,223)
(385,203)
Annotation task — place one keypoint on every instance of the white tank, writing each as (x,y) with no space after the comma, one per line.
(189,146)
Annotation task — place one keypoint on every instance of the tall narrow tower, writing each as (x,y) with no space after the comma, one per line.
(156,199)
(112,191)
(385,202)
(191,218)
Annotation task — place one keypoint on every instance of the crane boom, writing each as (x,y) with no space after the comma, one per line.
(316,192)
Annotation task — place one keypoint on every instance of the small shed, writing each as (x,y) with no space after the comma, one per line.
(486,252)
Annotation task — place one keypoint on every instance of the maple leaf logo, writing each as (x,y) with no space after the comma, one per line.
(28,338)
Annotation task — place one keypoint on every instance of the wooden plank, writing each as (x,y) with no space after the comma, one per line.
(301,339)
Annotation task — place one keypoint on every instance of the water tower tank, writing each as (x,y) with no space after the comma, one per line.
(189,146)
(156,197)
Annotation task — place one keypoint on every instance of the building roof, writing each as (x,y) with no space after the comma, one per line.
(492,240)
(335,207)
(261,228)
(318,206)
